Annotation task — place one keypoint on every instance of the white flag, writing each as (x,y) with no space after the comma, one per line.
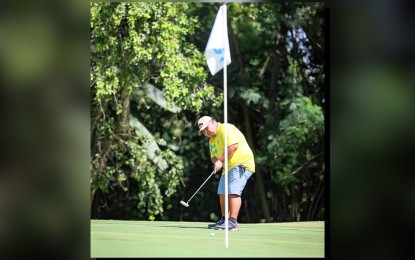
(217,49)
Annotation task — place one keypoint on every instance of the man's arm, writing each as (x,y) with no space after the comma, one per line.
(219,162)
(231,151)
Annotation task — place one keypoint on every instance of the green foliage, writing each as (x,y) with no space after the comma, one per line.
(139,55)
(297,137)
(149,83)
(251,96)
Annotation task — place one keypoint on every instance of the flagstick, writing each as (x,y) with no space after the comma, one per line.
(214,58)
(225,111)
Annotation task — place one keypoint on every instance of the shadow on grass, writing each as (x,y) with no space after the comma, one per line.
(184,227)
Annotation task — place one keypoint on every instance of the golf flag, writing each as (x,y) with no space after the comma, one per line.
(217,51)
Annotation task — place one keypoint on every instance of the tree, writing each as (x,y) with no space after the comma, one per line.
(276,81)
(149,84)
(142,68)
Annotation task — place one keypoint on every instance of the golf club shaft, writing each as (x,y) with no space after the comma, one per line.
(213,172)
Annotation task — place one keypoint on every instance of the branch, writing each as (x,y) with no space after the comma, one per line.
(261,73)
(100,105)
(302,166)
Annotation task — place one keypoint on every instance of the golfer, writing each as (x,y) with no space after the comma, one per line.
(241,166)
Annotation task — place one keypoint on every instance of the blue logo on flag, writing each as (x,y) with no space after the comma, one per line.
(220,52)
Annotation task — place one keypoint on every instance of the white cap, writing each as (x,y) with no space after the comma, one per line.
(203,123)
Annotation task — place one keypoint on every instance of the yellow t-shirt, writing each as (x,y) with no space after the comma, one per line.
(242,156)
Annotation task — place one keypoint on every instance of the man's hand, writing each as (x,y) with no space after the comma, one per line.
(217,166)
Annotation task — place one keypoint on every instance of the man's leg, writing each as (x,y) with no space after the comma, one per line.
(222,204)
(222,209)
(235,205)
(236,187)
(234,201)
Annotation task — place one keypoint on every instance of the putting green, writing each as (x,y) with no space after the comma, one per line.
(115,238)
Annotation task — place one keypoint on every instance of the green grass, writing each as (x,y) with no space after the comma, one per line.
(115,238)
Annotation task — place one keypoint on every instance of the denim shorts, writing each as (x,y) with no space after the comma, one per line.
(237,178)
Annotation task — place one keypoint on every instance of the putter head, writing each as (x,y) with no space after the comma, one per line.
(184,203)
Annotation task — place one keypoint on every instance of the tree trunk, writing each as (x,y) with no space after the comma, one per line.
(124,118)
(104,150)
(317,200)
(273,85)
(279,61)
(249,135)
(258,174)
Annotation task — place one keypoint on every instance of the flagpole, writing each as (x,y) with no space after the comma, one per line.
(225,112)
(217,55)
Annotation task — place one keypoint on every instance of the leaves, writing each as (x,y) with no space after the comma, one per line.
(141,60)
(149,84)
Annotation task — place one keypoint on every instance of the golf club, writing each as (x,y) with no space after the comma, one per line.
(186,204)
